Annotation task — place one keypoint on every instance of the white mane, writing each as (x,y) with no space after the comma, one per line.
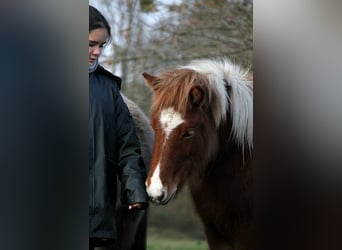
(223,72)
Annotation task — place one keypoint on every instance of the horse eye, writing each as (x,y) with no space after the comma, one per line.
(188,134)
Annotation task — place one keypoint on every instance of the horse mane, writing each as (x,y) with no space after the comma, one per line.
(173,88)
(227,88)
(238,101)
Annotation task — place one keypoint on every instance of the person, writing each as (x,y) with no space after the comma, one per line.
(114,149)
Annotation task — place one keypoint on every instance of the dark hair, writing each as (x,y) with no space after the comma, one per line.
(97,20)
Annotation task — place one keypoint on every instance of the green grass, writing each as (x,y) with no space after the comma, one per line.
(162,243)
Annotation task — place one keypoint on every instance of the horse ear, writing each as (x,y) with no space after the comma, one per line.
(150,80)
(197,96)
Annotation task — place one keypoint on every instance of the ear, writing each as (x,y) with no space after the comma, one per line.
(196,96)
(150,80)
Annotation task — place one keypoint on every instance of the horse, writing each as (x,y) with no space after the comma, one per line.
(132,225)
(202,116)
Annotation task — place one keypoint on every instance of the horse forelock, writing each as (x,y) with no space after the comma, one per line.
(222,73)
(173,90)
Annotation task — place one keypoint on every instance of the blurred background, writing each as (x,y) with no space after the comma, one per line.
(297,107)
(155,35)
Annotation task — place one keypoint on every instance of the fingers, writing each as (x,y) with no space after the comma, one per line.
(135,206)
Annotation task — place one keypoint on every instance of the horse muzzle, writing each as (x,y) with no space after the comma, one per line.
(162,196)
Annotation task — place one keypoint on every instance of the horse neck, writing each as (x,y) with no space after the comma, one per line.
(229,157)
(229,149)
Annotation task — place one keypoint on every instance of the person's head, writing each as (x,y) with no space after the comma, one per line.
(99,34)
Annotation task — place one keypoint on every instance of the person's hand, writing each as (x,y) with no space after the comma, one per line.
(136,206)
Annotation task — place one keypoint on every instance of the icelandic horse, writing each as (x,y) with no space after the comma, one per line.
(202,116)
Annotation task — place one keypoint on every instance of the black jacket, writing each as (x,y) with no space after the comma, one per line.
(114,151)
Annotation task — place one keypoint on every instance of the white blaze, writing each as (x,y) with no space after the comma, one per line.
(169,120)
(156,187)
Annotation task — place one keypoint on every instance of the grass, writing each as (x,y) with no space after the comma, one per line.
(163,243)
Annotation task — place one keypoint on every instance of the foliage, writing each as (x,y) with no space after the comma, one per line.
(157,243)
(147,5)
(153,36)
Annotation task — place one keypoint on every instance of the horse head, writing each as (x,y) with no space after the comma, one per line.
(185,134)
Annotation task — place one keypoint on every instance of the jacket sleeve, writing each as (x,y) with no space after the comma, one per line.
(132,171)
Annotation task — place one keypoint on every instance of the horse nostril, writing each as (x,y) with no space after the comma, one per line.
(158,199)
